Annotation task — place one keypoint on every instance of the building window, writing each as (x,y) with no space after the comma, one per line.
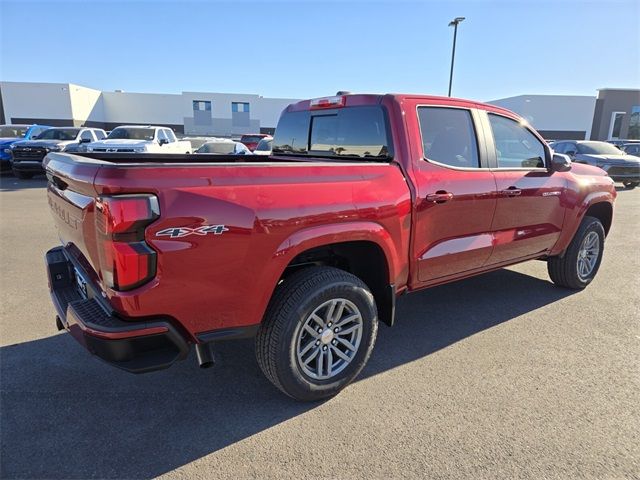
(634,123)
(239,107)
(201,105)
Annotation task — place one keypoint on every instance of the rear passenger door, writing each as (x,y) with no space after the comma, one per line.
(455,194)
(530,206)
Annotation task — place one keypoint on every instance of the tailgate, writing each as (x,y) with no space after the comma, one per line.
(71,198)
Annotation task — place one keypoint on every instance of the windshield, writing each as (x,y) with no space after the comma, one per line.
(225,148)
(344,132)
(59,134)
(122,133)
(264,145)
(598,148)
(13,131)
(250,138)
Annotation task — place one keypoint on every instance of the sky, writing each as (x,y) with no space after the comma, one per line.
(303,49)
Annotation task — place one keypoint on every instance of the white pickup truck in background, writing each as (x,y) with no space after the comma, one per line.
(140,139)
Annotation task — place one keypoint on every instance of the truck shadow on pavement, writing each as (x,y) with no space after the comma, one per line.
(67,415)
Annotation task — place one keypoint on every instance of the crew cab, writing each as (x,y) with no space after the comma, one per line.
(364,198)
(10,134)
(27,155)
(140,139)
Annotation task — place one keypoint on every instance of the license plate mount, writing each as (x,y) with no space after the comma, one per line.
(80,283)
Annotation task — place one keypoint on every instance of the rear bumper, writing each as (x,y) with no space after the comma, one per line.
(136,347)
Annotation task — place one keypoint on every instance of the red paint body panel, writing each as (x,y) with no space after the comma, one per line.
(277,210)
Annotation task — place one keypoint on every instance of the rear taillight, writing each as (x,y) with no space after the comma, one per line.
(126,261)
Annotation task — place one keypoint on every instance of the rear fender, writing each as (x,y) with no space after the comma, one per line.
(313,237)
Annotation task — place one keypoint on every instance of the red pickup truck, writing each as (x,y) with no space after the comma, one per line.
(364,198)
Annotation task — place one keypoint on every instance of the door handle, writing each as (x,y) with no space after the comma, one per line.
(511,192)
(439,197)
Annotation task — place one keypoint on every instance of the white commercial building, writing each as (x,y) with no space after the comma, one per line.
(191,113)
(614,113)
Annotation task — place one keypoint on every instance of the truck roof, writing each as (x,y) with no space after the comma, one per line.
(369,98)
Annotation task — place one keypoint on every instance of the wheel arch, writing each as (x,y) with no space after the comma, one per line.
(603,211)
(598,204)
(364,249)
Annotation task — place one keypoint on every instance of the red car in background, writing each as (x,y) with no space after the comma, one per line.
(251,140)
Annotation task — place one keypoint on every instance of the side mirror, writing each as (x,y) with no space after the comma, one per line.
(85,140)
(163,141)
(571,153)
(560,163)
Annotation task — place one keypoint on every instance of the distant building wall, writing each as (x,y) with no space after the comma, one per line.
(49,103)
(87,105)
(193,113)
(617,115)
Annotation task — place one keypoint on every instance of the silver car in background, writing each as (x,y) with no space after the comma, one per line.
(620,166)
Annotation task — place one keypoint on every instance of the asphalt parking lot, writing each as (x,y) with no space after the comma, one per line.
(499,376)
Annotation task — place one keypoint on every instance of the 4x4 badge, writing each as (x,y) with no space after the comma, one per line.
(178,232)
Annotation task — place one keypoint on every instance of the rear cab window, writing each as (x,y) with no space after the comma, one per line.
(358,132)
(448,136)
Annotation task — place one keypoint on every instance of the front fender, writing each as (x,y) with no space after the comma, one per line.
(576,213)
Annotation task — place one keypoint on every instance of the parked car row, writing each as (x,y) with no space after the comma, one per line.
(23,147)
(619,165)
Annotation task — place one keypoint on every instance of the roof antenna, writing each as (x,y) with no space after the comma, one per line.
(343,92)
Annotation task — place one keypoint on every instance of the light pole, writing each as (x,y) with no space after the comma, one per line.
(454,23)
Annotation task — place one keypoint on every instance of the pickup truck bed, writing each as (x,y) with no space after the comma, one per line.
(309,249)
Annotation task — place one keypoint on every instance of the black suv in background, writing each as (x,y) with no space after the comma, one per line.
(620,166)
(27,155)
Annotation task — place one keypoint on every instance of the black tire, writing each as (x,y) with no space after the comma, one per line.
(293,302)
(22,175)
(630,185)
(564,270)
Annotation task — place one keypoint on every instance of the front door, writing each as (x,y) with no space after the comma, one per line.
(529,211)
(455,195)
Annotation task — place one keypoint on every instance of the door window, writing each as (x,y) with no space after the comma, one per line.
(560,147)
(170,135)
(516,147)
(448,136)
(162,135)
(87,135)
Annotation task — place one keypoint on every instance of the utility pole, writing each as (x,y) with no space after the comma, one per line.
(453,23)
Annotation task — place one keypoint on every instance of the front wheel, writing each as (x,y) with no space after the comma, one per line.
(318,333)
(630,185)
(581,261)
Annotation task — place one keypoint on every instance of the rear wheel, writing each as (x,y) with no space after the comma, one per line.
(630,185)
(22,175)
(581,261)
(318,333)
